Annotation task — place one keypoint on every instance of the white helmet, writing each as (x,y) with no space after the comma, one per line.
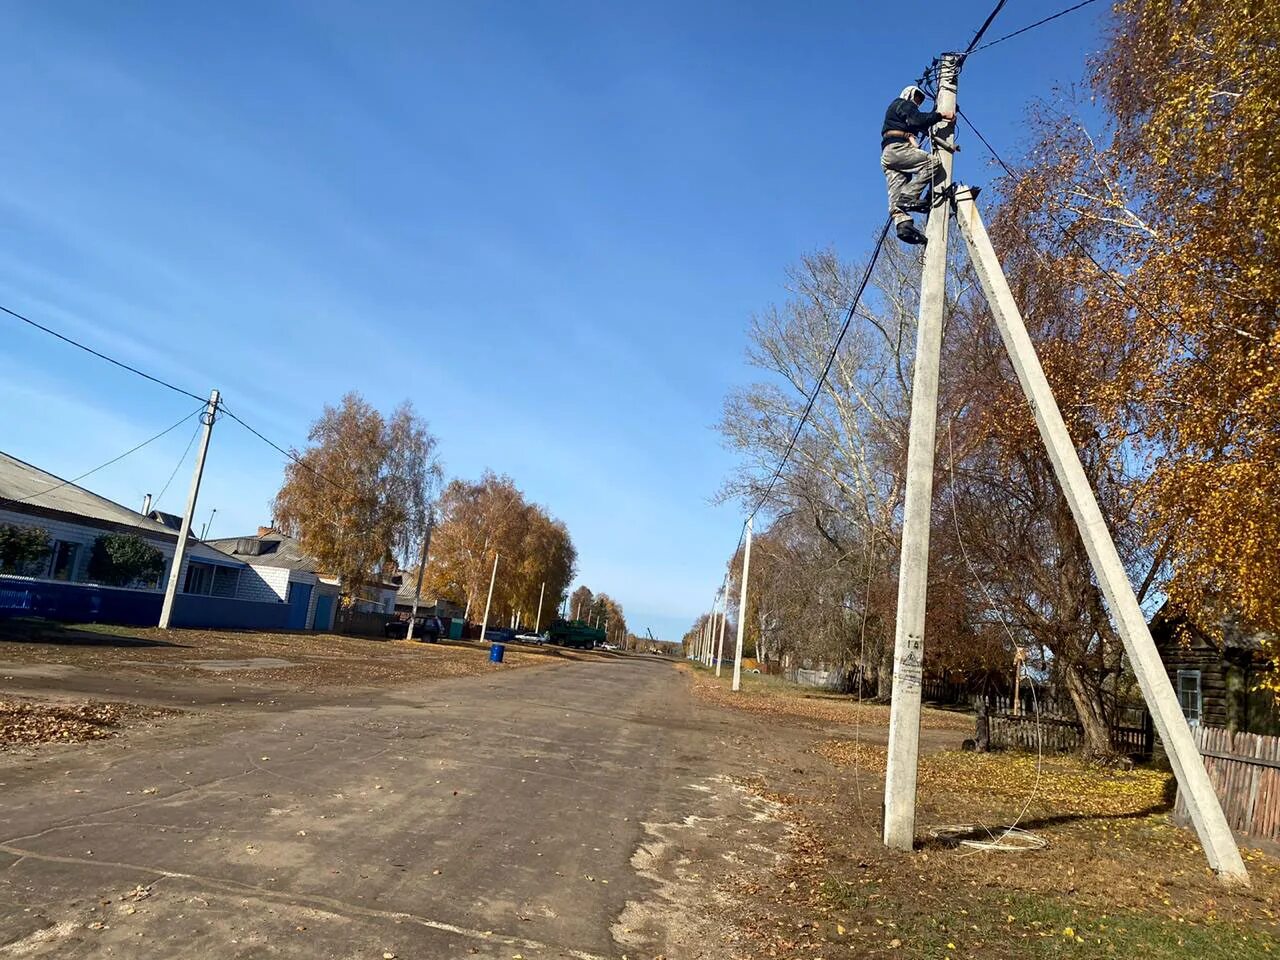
(913,93)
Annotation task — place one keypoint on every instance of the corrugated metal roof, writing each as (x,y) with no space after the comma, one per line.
(268,550)
(33,487)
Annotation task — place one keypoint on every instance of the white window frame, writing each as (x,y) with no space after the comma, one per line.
(1195,675)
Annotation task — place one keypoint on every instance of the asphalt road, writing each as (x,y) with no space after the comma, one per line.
(497,816)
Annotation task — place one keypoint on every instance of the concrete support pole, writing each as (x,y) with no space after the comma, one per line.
(422,569)
(913,571)
(742,609)
(724,610)
(180,551)
(493,577)
(724,615)
(537,624)
(1193,782)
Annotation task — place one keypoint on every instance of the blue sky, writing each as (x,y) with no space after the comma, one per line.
(546,224)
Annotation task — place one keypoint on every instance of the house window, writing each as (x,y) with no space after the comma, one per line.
(1189,694)
(225,580)
(199,578)
(62,560)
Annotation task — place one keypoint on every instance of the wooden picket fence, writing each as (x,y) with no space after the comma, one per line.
(1063,735)
(1245,771)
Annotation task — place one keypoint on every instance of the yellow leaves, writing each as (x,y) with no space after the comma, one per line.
(1063,785)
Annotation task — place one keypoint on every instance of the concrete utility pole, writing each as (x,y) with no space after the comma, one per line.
(724,615)
(180,551)
(722,600)
(422,569)
(484,624)
(1202,802)
(538,620)
(711,635)
(742,609)
(913,576)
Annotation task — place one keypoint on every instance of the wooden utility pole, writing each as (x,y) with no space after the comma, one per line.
(913,577)
(1166,713)
(493,577)
(742,607)
(422,569)
(180,551)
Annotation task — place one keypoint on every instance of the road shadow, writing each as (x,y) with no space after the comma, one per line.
(31,630)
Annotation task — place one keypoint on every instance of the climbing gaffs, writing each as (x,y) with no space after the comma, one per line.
(908,170)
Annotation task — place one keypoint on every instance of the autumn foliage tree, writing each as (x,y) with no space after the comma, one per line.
(489,517)
(1171,195)
(357,497)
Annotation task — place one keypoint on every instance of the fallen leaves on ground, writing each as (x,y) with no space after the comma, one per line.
(1060,785)
(33,721)
(1118,877)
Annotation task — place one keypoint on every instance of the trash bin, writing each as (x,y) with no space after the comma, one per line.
(496,651)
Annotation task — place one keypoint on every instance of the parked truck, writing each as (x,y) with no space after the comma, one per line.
(574,633)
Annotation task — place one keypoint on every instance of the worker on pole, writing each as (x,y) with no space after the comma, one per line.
(908,170)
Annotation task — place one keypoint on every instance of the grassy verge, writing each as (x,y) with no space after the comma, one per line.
(1116,878)
(774,696)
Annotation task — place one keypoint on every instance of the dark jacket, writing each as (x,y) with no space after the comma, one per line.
(905,116)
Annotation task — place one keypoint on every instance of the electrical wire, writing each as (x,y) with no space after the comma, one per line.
(822,379)
(1023,840)
(113,460)
(1079,244)
(1031,26)
(286,453)
(995,11)
(164,383)
(100,355)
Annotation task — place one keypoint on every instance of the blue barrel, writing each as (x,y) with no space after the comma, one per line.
(496,650)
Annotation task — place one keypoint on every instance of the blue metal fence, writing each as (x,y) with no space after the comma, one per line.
(91,603)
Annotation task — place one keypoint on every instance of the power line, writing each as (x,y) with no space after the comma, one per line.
(287,453)
(995,11)
(817,387)
(99,354)
(117,459)
(1079,244)
(1032,26)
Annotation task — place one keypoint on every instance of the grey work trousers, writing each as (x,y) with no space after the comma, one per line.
(907,171)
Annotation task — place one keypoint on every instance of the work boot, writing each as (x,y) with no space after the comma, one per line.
(918,206)
(908,233)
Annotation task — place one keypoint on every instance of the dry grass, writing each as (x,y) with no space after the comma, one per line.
(316,660)
(1117,878)
(772,696)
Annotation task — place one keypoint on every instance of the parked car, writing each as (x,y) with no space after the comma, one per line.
(499,634)
(426,629)
(530,638)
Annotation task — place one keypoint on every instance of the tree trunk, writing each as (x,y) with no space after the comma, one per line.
(884,676)
(1087,699)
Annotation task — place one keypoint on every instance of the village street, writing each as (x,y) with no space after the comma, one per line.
(494,816)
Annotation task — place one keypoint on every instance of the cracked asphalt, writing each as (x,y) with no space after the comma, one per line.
(492,816)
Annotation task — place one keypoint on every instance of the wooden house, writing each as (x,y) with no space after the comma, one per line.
(1216,679)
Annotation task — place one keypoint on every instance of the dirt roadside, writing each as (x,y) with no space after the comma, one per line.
(1114,878)
(68,683)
